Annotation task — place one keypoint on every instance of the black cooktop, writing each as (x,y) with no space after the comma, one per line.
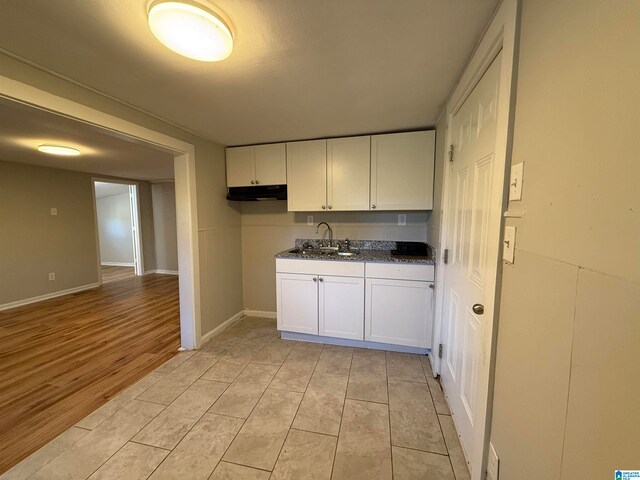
(411,249)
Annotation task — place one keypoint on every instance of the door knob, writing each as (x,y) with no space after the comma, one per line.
(478,309)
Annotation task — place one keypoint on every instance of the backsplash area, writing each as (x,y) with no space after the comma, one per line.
(267,228)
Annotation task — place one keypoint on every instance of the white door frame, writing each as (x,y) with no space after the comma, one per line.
(500,35)
(185,181)
(134,205)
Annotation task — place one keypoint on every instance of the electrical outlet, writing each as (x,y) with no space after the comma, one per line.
(515,185)
(54,211)
(493,465)
(309,219)
(52,276)
(509,244)
(402,219)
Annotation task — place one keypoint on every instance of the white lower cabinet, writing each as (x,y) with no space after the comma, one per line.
(321,297)
(391,303)
(341,307)
(398,312)
(297,302)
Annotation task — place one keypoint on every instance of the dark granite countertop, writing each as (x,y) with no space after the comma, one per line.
(382,254)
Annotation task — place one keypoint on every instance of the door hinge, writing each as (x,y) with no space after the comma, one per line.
(445,256)
(440,349)
(451,153)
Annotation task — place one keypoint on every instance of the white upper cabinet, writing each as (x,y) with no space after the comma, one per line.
(307,176)
(402,171)
(271,164)
(256,165)
(348,162)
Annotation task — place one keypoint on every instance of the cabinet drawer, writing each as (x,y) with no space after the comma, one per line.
(400,271)
(320,267)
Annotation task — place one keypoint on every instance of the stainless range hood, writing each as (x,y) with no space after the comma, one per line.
(257,193)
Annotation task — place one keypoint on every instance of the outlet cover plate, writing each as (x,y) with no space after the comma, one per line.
(309,219)
(402,219)
(509,244)
(54,211)
(515,185)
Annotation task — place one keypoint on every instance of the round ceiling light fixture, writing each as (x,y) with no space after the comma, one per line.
(190,30)
(58,150)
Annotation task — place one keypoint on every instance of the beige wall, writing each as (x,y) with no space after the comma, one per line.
(113,213)
(568,352)
(268,228)
(164,225)
(33,243)
(215,215)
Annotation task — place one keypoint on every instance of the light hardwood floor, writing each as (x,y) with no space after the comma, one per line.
(62,358)
(113,274)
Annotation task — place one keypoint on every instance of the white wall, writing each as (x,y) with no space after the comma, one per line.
(164,226)
(567,387)
(114,229)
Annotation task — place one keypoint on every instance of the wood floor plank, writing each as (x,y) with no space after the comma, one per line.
(62,358)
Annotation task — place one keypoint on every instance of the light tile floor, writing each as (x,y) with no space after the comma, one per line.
(249,405)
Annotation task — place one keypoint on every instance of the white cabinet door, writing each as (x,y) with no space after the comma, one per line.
(348,165)
(240,166)
(398,312)
(307,176)
(402,171)
(271,164)
(297,302)
(341,307)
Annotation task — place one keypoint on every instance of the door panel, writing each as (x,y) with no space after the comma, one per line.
(341,307)
(271,164)
(399,312)
(348,165)
(240,166)
(475,196)
(307,176)
(297,302)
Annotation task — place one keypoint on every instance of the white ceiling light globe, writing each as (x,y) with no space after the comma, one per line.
(191,31)
(58,150)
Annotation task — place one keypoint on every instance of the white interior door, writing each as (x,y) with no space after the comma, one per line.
(475,186)
(135,230)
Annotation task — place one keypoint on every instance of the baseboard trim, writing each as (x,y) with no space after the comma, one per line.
(260,313)
(305,337)
(48,296)
(220,328)
(162,272)
(117,264)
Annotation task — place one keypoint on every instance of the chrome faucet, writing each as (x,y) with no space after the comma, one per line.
(330,232)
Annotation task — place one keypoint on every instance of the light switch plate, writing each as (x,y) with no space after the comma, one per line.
(309,219)
(493,465)
(515,185)
(509,244)
(52,276)
(54,211)
(402,219)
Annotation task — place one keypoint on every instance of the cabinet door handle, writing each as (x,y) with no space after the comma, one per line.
(315,279)
(253,182)
(373,206)
(321,279)
(431,285)
(330,207)
(323,207)
(257,182)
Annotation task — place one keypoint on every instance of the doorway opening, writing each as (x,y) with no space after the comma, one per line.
(118,230)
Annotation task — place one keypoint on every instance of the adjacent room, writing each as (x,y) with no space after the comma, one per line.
(336,240)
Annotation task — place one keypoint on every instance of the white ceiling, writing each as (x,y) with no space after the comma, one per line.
(104,189)
(300,68)
(23,128)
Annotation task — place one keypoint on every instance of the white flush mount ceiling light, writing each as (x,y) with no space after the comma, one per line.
(191,30)
(58,150)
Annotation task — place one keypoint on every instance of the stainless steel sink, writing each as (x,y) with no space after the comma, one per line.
(328,251)
(347,254)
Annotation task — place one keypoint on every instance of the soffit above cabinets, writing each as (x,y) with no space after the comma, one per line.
(300,68)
